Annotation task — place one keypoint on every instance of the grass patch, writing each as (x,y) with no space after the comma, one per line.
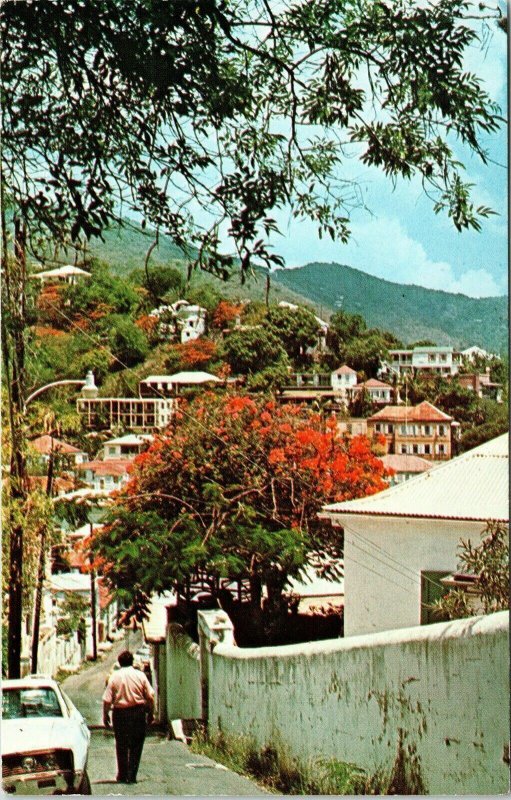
(277,771)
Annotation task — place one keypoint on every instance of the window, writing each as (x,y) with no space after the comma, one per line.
(30,702)
(111,450)
(377,427)
(432,589)
(427,430)
(403,449)
(390,428)
(427,449)
(415,449)
(440,448)
(441,430)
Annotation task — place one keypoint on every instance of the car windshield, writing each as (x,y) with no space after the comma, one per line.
(30,702)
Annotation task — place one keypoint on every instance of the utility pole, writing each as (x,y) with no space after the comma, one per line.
(41,570)
(13,354)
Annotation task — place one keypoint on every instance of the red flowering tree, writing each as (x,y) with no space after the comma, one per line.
(232,492)
(225,313)
(195,354)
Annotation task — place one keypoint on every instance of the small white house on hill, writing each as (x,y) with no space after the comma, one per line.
(400,543)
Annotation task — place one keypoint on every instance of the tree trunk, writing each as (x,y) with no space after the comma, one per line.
(13,352)
(40,573)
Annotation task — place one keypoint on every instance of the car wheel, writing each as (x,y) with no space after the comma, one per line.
(85,787)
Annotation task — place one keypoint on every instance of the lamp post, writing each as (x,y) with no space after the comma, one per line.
(15,620)
(89,387)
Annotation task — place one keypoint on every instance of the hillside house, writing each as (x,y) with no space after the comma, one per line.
(131,413)
(353,426)
(421,430)
(107,475)
(340,386)
(422,360)
(125,447)
(404,466)
(482,385)
(67,274)
(190,321)
(343,379)
(65,455)
(401,543)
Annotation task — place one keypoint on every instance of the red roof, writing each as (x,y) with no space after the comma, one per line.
(59,484)
(424,412)
(112,466)
(374,383)
(45,444)
(345,370)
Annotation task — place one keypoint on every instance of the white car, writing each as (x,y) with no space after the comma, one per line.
(45,739)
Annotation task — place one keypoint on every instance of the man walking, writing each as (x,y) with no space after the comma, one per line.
(131,697)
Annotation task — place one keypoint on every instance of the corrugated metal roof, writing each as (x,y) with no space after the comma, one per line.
(402,462)
(129,438)
(193,377)
(473,486)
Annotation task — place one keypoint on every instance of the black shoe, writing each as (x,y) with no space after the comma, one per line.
(132,781)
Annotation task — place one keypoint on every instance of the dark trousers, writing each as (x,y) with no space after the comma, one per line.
(129,728)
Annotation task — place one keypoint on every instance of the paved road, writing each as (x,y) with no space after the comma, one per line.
(167,767)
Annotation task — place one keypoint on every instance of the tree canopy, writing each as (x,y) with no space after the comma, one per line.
(232,492)
(157,108)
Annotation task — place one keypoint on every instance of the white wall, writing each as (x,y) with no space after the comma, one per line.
(438,693)
(55,652)
(183,677)
(383,560)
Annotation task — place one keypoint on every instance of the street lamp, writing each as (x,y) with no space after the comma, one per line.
(89,388)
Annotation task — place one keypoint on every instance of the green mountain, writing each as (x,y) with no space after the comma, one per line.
(411,312)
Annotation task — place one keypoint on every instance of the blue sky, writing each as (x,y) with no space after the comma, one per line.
(402,240)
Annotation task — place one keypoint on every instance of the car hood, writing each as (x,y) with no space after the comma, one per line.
(27,735)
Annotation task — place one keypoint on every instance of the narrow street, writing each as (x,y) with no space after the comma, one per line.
(167,767)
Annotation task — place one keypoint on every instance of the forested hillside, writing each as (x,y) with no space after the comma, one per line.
(411,312)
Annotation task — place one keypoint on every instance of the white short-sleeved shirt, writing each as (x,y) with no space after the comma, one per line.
(128,687)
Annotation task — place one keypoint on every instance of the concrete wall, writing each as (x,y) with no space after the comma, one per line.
(383,560)
(183,676)
(55,652)
(436,696)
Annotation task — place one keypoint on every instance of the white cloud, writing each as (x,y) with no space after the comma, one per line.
(383,248)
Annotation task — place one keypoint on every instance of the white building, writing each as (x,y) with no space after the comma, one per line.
(67,274)
(126,447)
(423,360)
(343,379)
(133,413)
(105,475)
(400,543)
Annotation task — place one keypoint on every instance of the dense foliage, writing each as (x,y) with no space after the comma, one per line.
(411,312)
(147,106)
(232,492)
(488,562)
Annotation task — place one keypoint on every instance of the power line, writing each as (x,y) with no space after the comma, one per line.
(411,576)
